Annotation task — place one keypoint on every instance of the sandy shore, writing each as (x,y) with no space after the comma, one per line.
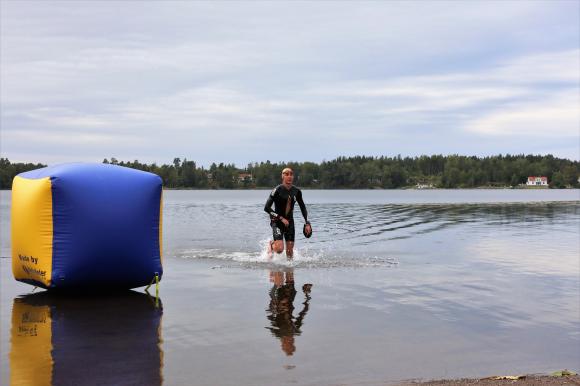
(528,380)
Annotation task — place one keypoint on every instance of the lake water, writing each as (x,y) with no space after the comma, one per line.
(393,285)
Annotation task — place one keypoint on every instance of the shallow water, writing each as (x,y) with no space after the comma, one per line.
(405,284)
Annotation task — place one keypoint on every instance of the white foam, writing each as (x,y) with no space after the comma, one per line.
(303,256)
(260,256)
(300,255)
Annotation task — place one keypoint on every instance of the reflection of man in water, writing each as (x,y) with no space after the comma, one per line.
(280,312)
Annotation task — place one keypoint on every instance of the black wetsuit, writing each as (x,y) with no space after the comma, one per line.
(283,200)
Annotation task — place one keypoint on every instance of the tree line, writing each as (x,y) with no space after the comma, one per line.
(9,170)
(359,172)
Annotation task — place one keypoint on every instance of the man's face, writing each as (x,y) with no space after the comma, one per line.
(287,176)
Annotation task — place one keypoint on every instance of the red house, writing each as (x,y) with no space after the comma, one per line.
(537,181)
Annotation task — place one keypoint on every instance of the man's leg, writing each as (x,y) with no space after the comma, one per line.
(289,249)
(289,236)
(277,245)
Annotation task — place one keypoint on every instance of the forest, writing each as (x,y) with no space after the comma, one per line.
(357,172)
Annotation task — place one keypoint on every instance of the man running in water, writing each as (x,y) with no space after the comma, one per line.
(283,197)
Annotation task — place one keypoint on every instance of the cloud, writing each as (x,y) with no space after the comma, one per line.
(551,67)
(558,116)
(233,83)
(534,95)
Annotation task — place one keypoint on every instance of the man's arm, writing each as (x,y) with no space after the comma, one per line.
(268,206)
(302,206)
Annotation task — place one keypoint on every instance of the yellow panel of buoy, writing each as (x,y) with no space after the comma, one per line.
(32,236)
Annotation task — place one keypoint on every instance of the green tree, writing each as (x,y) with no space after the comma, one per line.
(557,181)
(570,175)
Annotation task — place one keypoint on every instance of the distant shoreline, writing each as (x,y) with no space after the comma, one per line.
(357,172)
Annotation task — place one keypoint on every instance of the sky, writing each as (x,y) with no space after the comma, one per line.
(242,82)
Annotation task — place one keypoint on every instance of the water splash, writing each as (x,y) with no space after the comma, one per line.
(304,256)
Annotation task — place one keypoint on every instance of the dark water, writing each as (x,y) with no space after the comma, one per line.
(394,285)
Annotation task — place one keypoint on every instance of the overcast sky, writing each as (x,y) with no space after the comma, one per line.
(303,81)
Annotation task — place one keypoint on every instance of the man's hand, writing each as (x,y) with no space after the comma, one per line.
(284,221)
(308,228)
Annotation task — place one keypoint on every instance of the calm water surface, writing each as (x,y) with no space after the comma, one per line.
(393,285)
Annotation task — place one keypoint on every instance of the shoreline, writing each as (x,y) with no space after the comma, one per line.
(523,380)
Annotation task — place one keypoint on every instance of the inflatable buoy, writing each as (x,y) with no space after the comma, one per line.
(84,225)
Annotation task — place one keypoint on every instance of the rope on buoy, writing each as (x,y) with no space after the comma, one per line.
(156,281)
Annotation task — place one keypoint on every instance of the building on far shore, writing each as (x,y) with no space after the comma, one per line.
(245,177)
(537,181)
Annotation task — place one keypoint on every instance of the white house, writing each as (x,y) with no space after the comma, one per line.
(537,181)
(242,177)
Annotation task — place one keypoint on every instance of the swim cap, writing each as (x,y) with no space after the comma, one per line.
(306,234)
